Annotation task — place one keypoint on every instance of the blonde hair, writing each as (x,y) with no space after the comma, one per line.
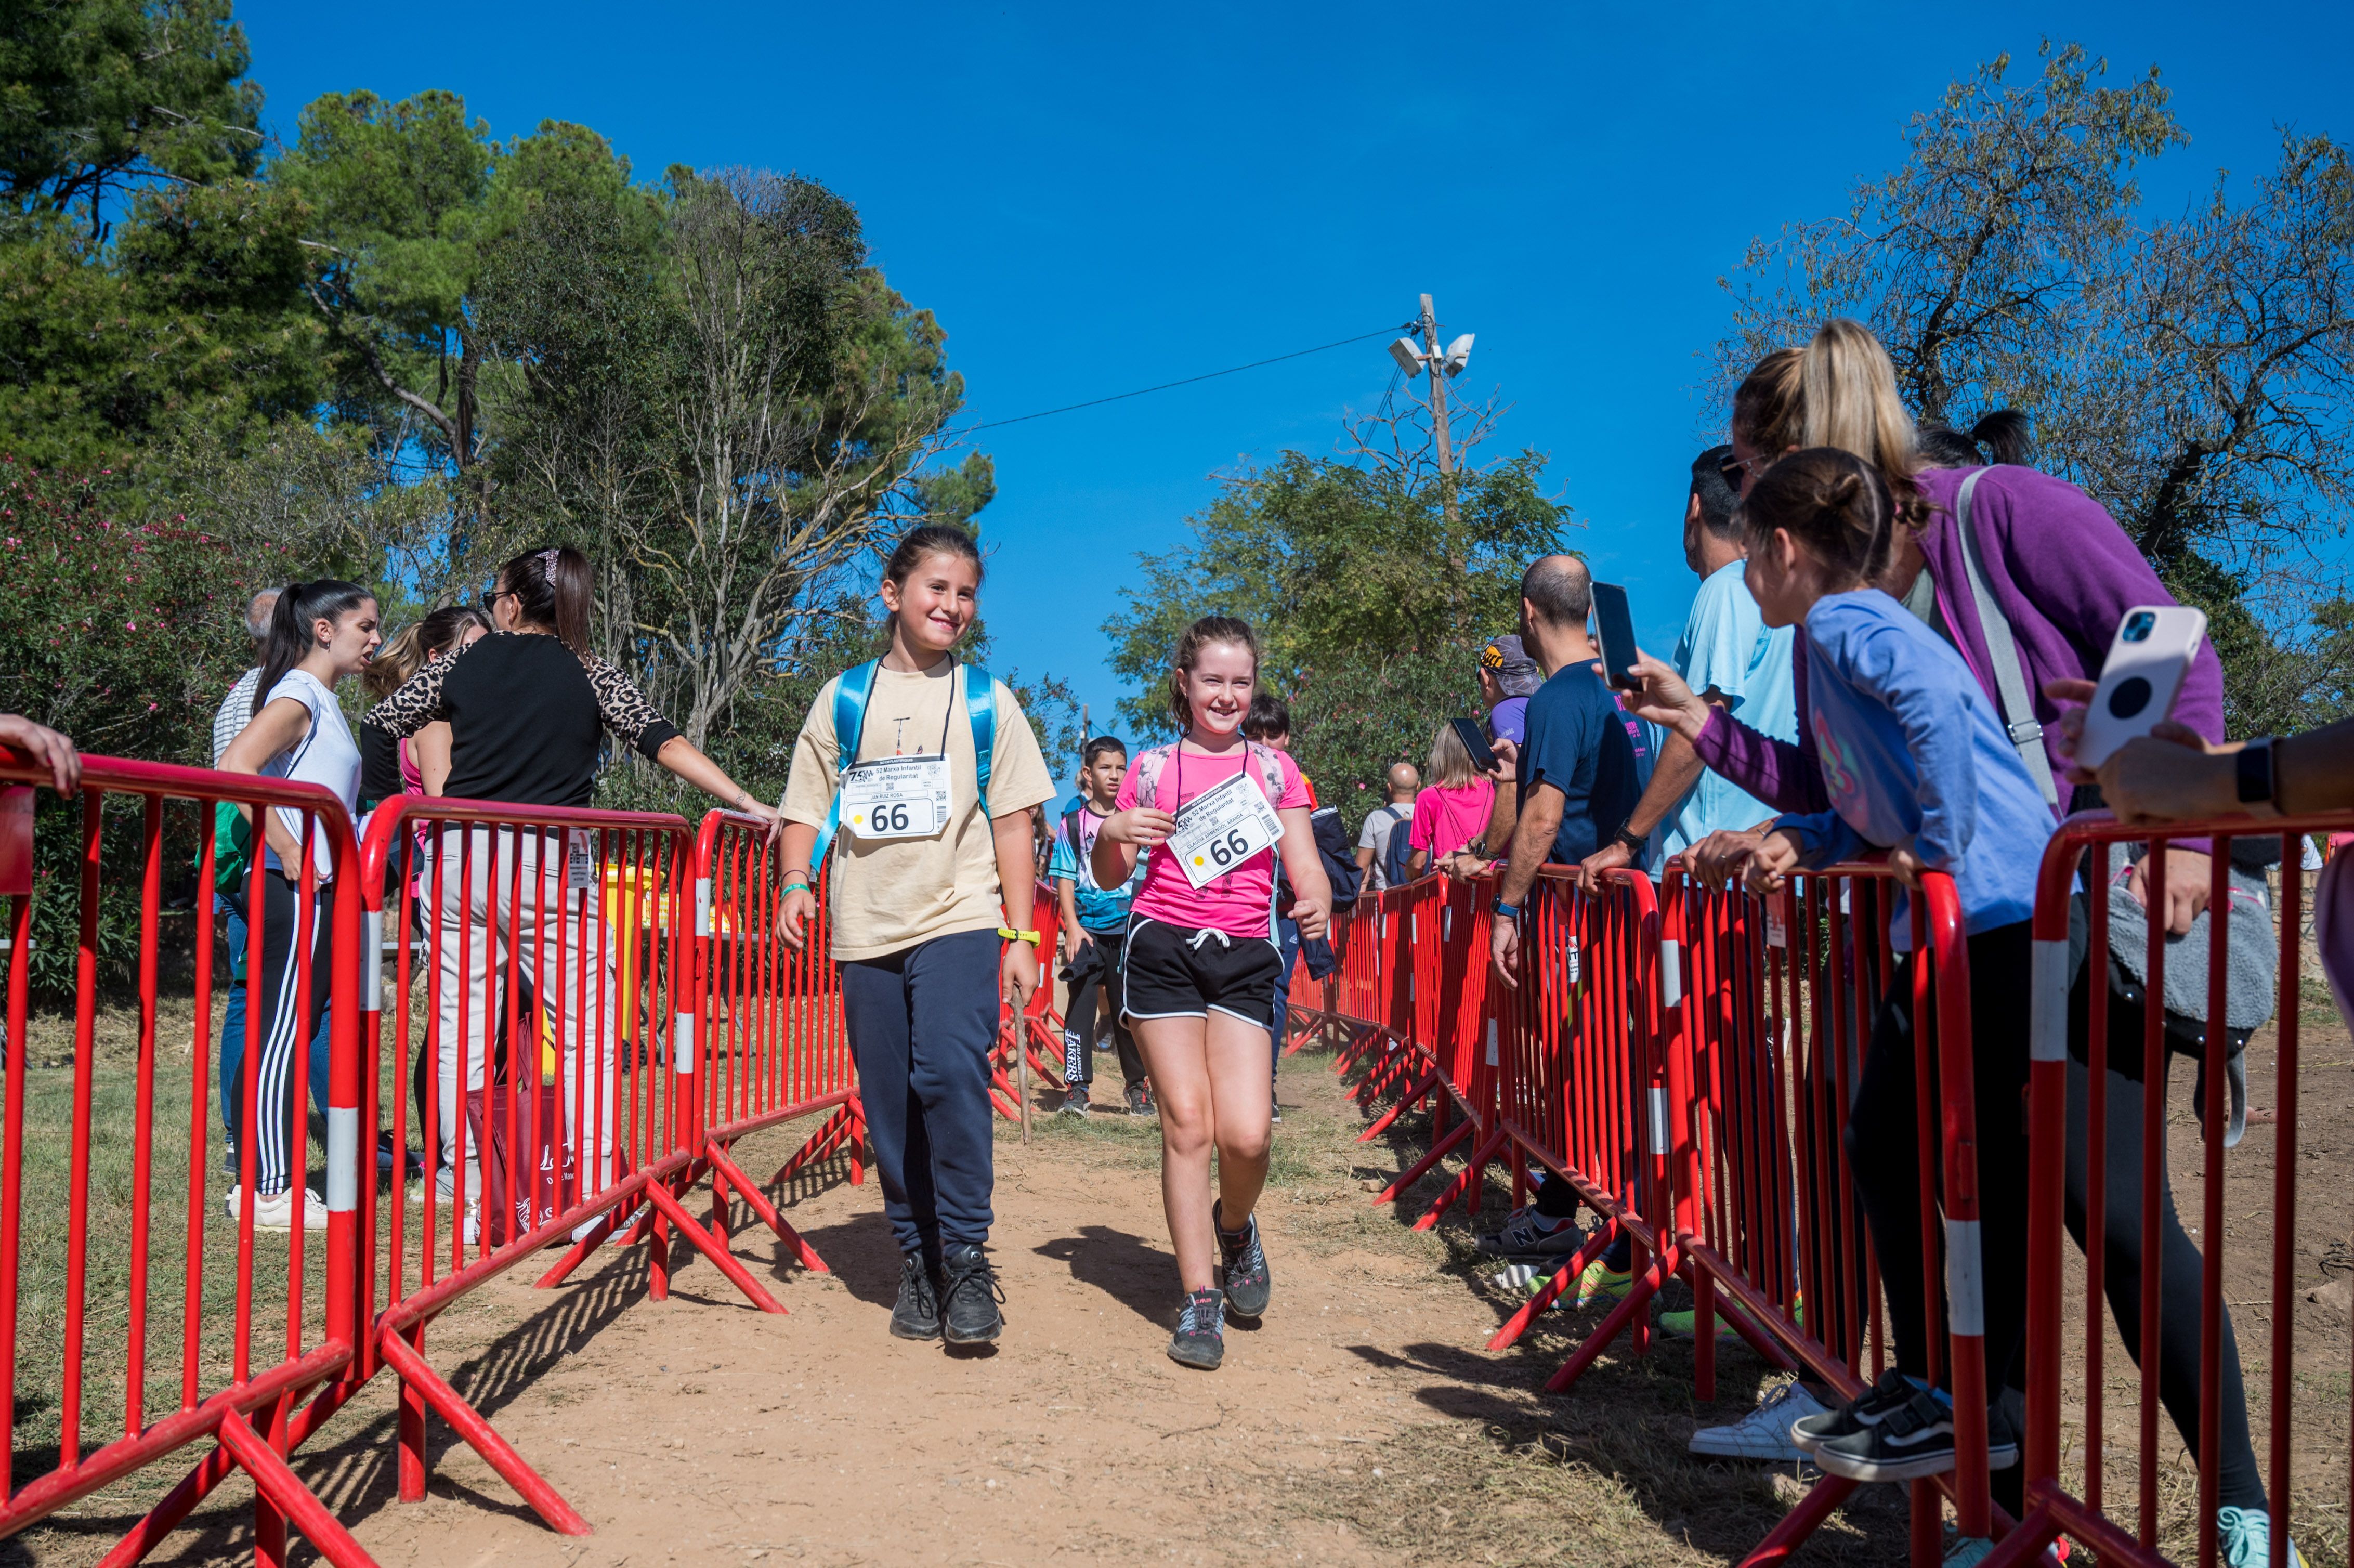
(1838,391)
(1450,760)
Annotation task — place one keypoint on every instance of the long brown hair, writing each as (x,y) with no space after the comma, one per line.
(1201,634)
(1833,502)
(552,588)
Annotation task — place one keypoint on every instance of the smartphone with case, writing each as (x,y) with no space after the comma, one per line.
(2142,676)
(1615,626)
(1474,741)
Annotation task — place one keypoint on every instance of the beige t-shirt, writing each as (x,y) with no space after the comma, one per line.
(891,894)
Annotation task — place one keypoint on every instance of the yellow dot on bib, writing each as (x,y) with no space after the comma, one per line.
(1198,860)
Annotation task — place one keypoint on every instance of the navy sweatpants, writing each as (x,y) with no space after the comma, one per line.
(921,1023)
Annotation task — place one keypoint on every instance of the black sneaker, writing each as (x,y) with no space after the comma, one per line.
(1894,1390)
(1244,1272)
(1075,1100)
(1140,1099)
(917,1315)
(1275,1111)
(969,1295)
(1199,1340)
(1912,1442)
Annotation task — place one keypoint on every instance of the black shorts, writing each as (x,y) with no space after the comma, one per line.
(1172,972)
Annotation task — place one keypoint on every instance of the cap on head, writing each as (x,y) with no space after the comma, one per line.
(1505,657)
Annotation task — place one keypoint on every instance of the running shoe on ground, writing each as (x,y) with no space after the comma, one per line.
(970,1297)
(1527,1234)
(1684,1325)
(918,1314)
(1243,1266)
(1764,1432)
(1523,1278)
(1893,1391)
(1274,1109)
(1914,1441)
(1201,1338)
(1140,1101)
(1074,1101)
(1970,1551)
(1601,1282)
(2244,1536)
(275,1211)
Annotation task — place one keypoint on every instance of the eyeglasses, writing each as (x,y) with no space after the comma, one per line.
(1733,467)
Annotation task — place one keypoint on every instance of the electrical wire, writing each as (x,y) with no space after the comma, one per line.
(1187,381)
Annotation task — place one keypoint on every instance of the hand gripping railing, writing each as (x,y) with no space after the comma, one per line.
(242,1394)
(2076,1011)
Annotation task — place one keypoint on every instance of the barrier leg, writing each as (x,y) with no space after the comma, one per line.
(723,1166)
(1462,1184)
(411,1440)
(738,1275)
(1638,1299)
(1703,1285)
(289,1498)
(1422,1166)
(1801,1522)
(1567,1275)
(468,1422)
(1422,1087)
(822,1142)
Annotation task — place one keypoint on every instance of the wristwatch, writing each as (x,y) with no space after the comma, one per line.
(2258,783)
(1634,841)
(1509,911)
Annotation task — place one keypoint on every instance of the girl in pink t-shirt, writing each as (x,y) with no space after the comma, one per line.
(1202,968)
(1452,814)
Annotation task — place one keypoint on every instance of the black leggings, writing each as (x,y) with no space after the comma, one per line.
(1079,1018)
(1884,1151)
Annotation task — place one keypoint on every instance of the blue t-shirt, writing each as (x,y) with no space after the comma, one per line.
(1509,720)
(1727,648)
(1913,754)
(1098,910)
(1578,742)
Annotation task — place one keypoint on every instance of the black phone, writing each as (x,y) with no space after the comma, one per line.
(1616,624)
(1475,741)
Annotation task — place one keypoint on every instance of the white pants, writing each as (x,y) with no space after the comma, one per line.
(549,929)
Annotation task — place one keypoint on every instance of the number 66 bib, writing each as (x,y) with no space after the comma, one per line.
(1221,828)
(896,797)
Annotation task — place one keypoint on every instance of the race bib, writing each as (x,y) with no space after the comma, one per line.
(1221,828)
(896,797)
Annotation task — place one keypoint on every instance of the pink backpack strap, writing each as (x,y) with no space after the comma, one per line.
(1149,768)
(1270,770)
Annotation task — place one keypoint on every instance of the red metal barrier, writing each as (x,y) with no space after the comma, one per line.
(2068,1492)
(243,1394)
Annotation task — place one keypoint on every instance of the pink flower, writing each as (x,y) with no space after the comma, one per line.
(130,626)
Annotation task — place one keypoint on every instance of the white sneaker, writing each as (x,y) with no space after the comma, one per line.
(1764,1432)
(275,1211)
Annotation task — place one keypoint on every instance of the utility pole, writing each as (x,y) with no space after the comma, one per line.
(1434,359)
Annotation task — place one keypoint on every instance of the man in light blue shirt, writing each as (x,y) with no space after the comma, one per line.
(1734,661)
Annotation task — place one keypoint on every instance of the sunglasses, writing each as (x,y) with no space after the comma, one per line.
(1733,467)
(491,599)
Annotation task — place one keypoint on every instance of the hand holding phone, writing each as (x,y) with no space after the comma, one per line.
(2141,677)
(1475,741)
(1615,624)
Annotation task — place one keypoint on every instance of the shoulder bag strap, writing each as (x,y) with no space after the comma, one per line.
(2002,653)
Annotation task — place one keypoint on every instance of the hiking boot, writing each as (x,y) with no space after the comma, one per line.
(1893,1391)
(1763,1433)
(970,1297)
(918,1314)
(1201,1340)
(1245,1273)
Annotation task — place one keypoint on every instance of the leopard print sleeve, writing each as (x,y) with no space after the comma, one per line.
(418,701)
(625,710)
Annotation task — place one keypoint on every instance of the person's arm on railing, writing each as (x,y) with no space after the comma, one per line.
(2174,774)
(49,748)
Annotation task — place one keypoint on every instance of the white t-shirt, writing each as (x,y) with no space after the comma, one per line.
(326,755)
(235,713)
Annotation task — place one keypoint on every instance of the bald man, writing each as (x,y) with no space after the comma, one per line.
(1373,844)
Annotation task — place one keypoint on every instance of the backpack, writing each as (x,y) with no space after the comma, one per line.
(1397,849)
(850,699)
(1149,766)
(1341,867)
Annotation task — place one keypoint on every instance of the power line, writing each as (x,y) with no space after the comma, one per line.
(1187,381)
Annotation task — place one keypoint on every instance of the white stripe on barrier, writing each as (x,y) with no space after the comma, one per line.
(703,907)
(1671,972)
(2047,1035)
(343,1159)
(372,960)
(1446,923)
(1492,1059)
(682,1051)
(1965,1293)
(1658,1120)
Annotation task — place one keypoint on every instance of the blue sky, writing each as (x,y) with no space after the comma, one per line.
(1094,200)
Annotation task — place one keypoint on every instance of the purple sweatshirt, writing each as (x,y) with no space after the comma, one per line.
(2063,573)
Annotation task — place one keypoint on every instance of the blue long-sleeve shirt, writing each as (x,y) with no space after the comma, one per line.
(1912,755)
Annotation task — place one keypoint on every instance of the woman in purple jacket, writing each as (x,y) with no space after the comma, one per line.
(2058,574)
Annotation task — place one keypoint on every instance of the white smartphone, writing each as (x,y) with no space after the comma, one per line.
(2152,653)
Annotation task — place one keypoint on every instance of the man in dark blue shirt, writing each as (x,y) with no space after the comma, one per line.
(1577,776)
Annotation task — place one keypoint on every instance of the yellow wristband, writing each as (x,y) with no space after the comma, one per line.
(1011,935)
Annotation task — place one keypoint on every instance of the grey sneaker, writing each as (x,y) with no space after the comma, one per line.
(1074,1101)
(1199,1340)
(1244,1269)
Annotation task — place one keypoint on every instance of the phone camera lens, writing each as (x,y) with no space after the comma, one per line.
(2131,696)
(2137,628)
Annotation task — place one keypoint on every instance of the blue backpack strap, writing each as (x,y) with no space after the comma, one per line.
(980,707)
(850,695)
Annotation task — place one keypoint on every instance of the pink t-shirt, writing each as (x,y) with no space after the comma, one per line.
(1447,820)
(1238,903)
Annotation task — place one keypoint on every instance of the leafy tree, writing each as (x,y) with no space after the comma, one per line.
(2195,375)
(1356,719)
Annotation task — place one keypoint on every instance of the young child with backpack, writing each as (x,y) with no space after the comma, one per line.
(1916,763)
(1209,815)
(1095,933)
(928,770)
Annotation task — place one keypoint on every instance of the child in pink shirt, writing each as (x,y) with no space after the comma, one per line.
(1451,815)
